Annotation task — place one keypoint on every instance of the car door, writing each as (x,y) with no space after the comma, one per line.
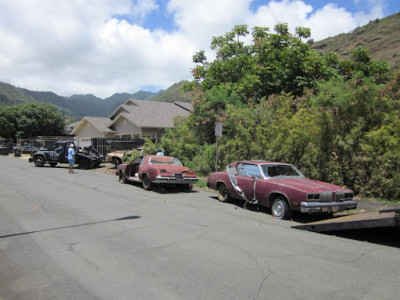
(247,176)
(134,166)
(54,151)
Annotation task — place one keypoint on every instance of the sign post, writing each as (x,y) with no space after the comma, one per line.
(218,133)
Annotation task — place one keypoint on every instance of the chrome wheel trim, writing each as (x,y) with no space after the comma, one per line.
(278,209)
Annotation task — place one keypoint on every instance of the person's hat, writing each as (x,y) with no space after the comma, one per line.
(71,145)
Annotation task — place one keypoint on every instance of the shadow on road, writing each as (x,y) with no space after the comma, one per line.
(69,226)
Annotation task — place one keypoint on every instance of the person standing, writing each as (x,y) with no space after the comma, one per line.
(71,158)
(160,152)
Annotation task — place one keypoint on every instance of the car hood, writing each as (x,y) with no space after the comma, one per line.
(307,185)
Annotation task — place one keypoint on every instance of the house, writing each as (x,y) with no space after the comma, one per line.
(143,118)
(90,127)
(135,119)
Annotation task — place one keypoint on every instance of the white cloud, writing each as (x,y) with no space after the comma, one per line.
(101,47)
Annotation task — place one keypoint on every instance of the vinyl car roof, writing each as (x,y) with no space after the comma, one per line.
(261,162)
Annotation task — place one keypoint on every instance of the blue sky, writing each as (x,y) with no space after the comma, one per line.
(109,46)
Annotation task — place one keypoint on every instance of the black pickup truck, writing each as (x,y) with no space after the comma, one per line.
(58,153)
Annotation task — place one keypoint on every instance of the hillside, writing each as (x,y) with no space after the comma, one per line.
(10,95)
(380,36)
(173,93)
(78,106)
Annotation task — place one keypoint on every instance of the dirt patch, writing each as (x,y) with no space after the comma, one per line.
(106,168)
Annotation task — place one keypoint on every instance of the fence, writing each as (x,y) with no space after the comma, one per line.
(105,145)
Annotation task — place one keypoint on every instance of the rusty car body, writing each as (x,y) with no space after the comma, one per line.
(153,170)
(115,157)
(279,186)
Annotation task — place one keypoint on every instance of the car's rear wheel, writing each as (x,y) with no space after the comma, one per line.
(280,209)
(146,182)
(222,192)
(39,161)
(84,164)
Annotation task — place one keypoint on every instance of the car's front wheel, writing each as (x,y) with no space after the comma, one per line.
(146,182)
(222,192)
(39,161)
(280,209)
(116,161)
(122,178)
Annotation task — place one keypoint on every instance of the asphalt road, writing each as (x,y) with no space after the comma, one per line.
(85,236)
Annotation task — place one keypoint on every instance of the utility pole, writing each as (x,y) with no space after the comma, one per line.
(218,133)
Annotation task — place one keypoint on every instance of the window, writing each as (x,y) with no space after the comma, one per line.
(281,171)
(248,170)
(165,160)
(137,160)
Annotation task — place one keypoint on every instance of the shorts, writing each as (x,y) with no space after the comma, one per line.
(71,162)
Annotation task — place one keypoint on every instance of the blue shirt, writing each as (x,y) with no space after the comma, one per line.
(71,153)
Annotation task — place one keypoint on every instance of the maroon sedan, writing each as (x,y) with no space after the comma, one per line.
(279,186)
(156,169)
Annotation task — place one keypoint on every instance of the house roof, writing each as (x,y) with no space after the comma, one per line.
(152,114)
(101,124)
(120,109)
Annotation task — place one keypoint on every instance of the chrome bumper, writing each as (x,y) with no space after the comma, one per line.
(310,207)
(173,180)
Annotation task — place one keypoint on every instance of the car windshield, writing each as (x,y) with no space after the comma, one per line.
(164,160)
(281,171)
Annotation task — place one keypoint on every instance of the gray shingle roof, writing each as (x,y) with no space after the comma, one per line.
(101,124)
(145,113)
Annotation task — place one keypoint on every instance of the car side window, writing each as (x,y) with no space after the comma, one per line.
(55,146)
(137,160)
(249,170)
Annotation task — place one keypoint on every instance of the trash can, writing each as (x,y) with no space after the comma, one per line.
(3,151)
(17,152)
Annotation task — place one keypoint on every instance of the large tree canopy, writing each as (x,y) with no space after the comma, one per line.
(273,63)
(32,119)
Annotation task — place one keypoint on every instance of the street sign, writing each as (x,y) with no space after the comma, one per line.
(218,129)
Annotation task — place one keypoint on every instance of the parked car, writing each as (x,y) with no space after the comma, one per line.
(86,158)
(280,186)
(156,169)
(115,157)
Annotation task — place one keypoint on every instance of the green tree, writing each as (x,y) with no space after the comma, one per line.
(271,64)
(31,120)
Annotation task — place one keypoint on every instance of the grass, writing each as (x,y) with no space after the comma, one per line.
(202,183)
